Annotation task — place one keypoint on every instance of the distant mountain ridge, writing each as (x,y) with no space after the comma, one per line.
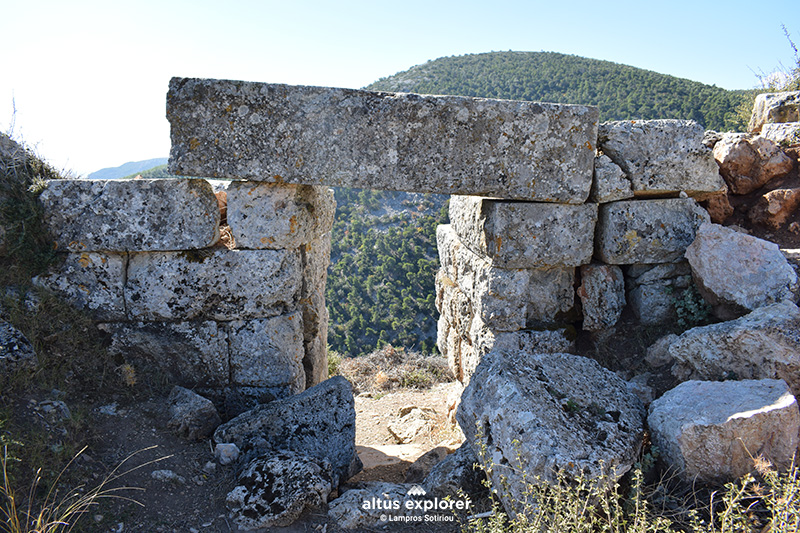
(132,167)
(620,91)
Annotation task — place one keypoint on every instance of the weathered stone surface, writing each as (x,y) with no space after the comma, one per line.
(719,207)
(315,258)
(775,207)
(349,511)
(411,423)
(774,108)
(90,281)
(748,162)
(455,474)
(602,293)
(131,215)
(785,134)
(220,284)
(191,416)
(658,352)
(654,289)
(352,138)
(273,491)
(610,182)
(525,234)
(737,273)
(762,344)
(16,351)
(190,353)
(507,299)
(712,430)
(268,353)
(547,412)
(226,453)
(647,231)
(661,156)
(319,422)
(268,215)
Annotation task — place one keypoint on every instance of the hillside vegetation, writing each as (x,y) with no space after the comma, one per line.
(620,91)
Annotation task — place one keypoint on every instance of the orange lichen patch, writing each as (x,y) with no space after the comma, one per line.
(293,224)
(84,288)
(589,146)
(84,260)
(298,163)
(498,242)
(267,240)
(75,245)
(194,143)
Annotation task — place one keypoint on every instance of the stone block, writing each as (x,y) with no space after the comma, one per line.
(662,156)
(784,134)
(602,294)
(538,414)
(748,162)
(647,231)
(315,258)
(395,141)
(219,284)
(764,344)
(131,215)
(774,108)
(711,431)
(525,234)
(91,281)
(506,299)
(193,354)
(268,353)
(610,182)
(268,215)
(737,273)
(654,289)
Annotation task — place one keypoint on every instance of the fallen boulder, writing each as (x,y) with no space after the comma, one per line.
(747,162)
(192,416)
(16,351)
(774,108)
(737,273)
(319,422)
(712,431)
(602,293)
(539,414)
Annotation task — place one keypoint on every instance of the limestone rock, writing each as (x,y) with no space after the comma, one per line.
(273,491)
(315,257)
(647,231)
(525,234)
(191,416)
(658,352)
(90,281)
(712,430)
(396,141)
(737,273)
(319,422)
(16,351)
(719,207)
(547,412)
(610,182)
(422,466)
(774,108)
(412,422)
(508,299)
(220,284)
(268,353)
(131,215)
(602,293)
(349,511)
(661,156)
(192,353)
(226,453)
(458,471)
(748,162)
(775,207)
(268,215)
(654,289)
(785,134)
(762,344)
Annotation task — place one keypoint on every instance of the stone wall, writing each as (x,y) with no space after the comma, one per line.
(144,257)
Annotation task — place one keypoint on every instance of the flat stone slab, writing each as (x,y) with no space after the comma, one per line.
(712,430)
(770,108)
(375,140)
(647,231)
(131,215)
(525,234)
(267,215)
(662,156)
(92,281)
(220,284)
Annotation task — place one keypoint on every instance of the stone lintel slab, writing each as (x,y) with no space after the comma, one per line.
(92,281)
(515,234)
(378,140)
(219,284)
(647,231)
(131,215)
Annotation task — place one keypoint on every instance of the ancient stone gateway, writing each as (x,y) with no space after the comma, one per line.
(535,203)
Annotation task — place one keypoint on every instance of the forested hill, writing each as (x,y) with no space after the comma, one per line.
(620,91)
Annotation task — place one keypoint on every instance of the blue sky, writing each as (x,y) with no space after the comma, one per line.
(89,78)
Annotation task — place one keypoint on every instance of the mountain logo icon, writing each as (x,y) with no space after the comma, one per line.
(416,490)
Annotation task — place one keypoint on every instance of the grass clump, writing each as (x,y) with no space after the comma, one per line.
(390,368)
